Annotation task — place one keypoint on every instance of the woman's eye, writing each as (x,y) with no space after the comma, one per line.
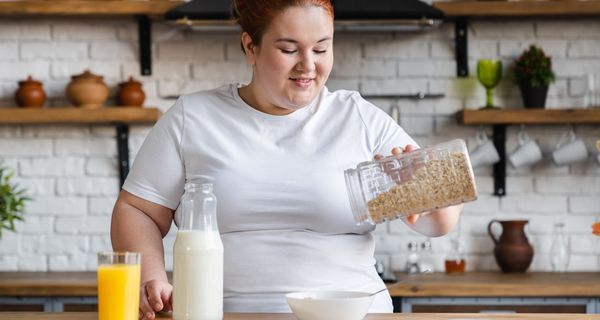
(320,51)
(287,51)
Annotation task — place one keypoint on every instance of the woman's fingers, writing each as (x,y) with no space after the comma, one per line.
(412,218)
(397,151)
(154,295)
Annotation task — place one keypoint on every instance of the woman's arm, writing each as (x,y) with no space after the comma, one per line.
(435,223)
(139,225)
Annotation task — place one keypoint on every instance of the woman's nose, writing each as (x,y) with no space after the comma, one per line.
(307,63)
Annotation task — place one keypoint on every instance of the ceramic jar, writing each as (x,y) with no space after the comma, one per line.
(130,93)
(512,250)
(87,90)
(30,94)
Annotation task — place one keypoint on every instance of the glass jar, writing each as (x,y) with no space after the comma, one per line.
(560,252)
(455,261)
(413,182)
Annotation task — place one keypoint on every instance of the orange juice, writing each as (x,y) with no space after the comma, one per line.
(118,291)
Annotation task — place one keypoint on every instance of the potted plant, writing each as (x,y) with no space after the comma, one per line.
(12,201)
(533,73)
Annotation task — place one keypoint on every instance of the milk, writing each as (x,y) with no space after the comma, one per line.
(198,276)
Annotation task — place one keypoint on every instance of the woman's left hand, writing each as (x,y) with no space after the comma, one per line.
(396,151)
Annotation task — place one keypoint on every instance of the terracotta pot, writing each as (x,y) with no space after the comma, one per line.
(30,94)
(87,90)
(512,251)
(131,93)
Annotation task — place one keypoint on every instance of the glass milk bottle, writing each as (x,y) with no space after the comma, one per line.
(560,252)
(198,257)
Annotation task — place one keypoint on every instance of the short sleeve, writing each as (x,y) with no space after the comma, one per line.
(384,132)
(158,172)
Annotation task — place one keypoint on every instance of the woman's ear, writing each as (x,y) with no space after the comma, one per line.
(249,48)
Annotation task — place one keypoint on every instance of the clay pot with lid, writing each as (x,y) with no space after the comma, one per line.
(87,90)
(30,94)
(131,93)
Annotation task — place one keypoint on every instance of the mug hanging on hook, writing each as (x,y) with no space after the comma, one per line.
(527,153)
(485,153)
(569,149)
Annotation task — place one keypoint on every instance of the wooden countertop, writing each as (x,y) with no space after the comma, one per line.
(470,284)
(289,316)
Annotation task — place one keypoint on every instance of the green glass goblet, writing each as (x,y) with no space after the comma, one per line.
(489,73)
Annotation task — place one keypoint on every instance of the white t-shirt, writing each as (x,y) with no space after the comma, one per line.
(283,210)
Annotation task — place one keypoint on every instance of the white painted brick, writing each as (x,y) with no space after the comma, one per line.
(58,206)
(9,30)
(84,31)
(334,84)
(418,126)
(101,167)
(582,263)
(432,69)
(516,185)
(168,51)
(346,69)
(32,30)
(53,50)
(347,51)
(446,127)
(7,91)
(585,49)
(406,48)
(485,204)
(35,225)
(552,48)
(65,244)
(114,51)
(100,243)
(8,263)
(229,71)
(233,51)
(88,225)
(393,86)
(483,49)
(102,205)
(168,243)
(502,29)
(575,67)
(9,243)
(533,203)
(410,106)
(179,87)
(556,28)
(574,225)
(477,245)
(89,146)
(584,204)
(88,186)
(387,244)
(168,262)
(381,229)
(9,51)
(109,70)
(55,131)
(36,186)
(65,262)
(578,86)
(31,243)
(25,147)
(589,244)
(21,70)
(443,50)
(457,87)
(52,167)
(568,185)
(32,262)
(474,225)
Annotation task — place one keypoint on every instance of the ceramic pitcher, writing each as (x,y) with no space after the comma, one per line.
(512,250)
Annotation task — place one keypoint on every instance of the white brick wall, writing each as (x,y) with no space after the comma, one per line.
(72,174)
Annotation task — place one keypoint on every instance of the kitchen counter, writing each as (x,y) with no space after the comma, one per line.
(287,316)
(480,284)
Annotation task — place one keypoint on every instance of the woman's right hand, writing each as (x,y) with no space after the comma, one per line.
(155,295)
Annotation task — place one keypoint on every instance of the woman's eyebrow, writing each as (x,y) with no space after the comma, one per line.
(294,41)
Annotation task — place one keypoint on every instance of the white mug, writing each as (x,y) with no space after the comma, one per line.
(569,152)
(527,153)
(485,153)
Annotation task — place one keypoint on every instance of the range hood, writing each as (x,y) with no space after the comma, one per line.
(351,15)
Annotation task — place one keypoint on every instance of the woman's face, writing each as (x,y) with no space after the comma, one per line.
(293,61)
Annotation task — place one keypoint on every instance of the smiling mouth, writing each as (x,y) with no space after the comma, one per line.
(302,80)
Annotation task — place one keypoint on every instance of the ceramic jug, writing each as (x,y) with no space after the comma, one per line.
(30,94)
(512,250)
(87,90)
(130,93)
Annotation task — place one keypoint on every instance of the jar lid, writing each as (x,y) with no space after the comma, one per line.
(131,81)
(29,80)
(87,75)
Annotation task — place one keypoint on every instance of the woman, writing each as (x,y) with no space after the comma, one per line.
(275,150)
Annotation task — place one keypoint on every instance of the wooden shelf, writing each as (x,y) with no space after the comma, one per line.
(89,7)
(518,8)
(128,115)
(530,116)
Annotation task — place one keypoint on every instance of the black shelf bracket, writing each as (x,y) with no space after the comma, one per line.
(145,44)
(123,151)
(499,138)
(461,46)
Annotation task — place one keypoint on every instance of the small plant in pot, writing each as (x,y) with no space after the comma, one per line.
(12,201)
(533,73)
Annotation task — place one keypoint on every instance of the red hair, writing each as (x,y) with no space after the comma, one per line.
(254,16)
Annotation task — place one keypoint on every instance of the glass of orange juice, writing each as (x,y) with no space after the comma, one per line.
(118,285)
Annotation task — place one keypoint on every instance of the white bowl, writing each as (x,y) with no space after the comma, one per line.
(329,305)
